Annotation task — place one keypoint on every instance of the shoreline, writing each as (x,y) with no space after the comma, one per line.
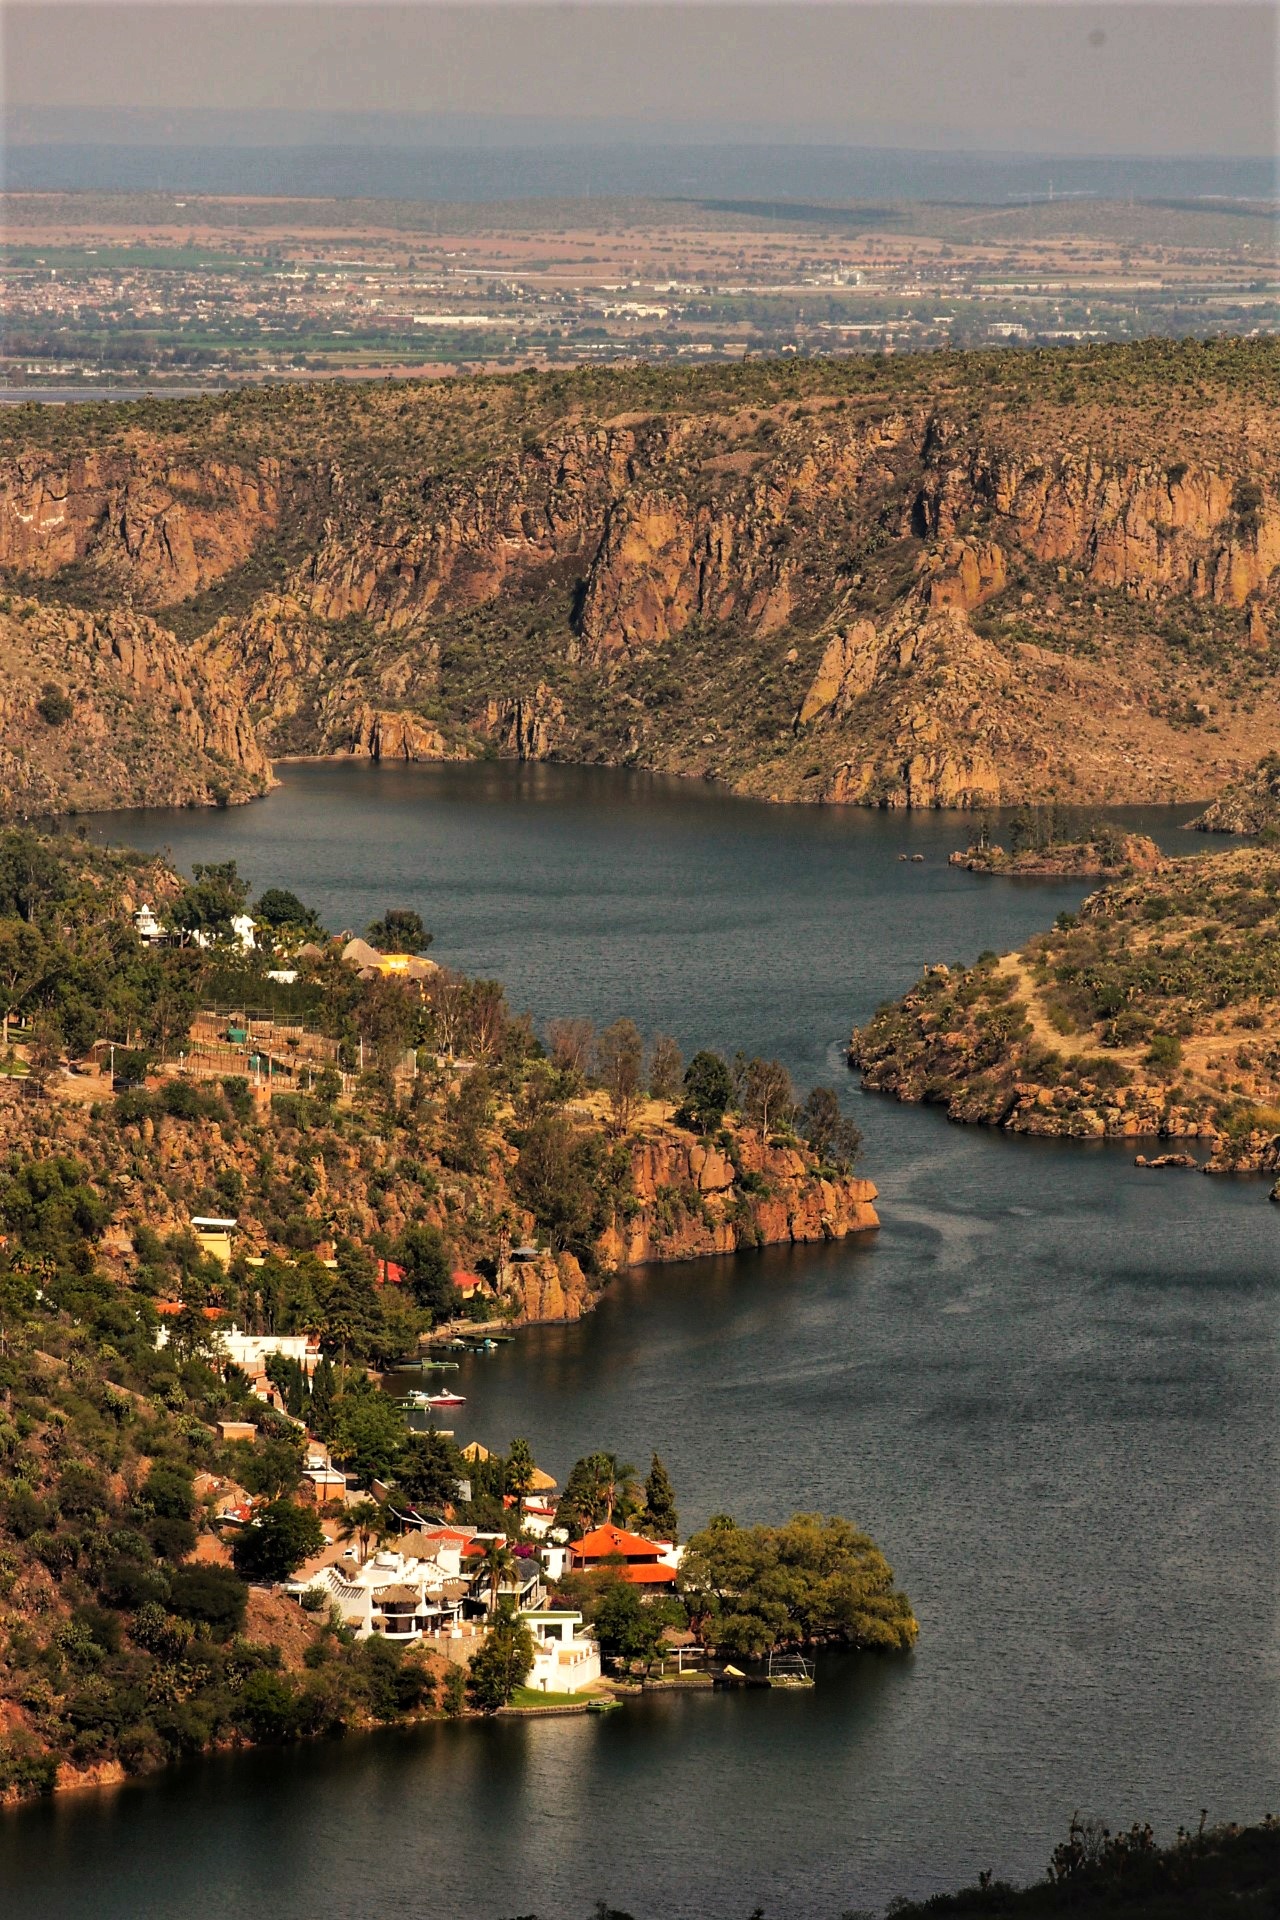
(706,778)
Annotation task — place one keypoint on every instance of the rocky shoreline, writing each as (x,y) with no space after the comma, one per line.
(1145,1016)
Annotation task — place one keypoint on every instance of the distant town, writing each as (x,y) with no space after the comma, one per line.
(111,288)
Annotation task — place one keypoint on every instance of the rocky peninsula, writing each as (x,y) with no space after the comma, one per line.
(1102,855)
(1147,1015)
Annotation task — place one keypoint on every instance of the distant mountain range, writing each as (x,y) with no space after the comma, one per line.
(469,161)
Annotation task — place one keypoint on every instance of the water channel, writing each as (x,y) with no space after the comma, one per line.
(1046,1387)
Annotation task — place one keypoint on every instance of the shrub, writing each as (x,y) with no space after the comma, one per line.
(54,705)
(214,1597)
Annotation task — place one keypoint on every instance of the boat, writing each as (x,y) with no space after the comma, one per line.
(444,1399)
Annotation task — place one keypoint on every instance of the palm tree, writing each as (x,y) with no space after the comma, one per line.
(615,1485)
(500,1565)
(363,1521)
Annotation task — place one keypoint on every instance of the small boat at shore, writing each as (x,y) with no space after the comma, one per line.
(444,1399)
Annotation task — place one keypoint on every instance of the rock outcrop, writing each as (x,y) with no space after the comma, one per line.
(1249,806)
(109,710)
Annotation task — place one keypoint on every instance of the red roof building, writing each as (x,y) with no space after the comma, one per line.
(642,1562)
(389,1273)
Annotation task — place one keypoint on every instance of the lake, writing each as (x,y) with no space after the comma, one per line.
(1047,1387)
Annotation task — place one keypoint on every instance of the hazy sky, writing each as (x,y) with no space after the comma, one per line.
(1145,78)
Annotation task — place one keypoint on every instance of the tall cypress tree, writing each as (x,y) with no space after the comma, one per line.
(660,1515)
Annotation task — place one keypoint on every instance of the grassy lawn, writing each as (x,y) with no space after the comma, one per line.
(534,1697)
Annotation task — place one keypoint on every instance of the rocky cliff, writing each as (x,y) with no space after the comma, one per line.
(955,581)
(106,710)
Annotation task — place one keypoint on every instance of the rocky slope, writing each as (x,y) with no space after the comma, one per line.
(953,581)
(107,710)
(1150,1014)
(1249,806)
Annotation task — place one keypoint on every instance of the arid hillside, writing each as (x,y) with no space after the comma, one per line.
(939,581)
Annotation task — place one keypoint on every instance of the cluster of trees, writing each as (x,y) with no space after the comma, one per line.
(603,1490)
(750,1589)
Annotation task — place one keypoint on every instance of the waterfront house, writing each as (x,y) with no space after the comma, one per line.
(641,1562)
(523,1587)
(392,1594)
(566,1659)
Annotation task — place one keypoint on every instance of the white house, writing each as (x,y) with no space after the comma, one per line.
(566,1660)
(391,1594)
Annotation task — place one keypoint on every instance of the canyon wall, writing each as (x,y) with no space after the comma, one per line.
(901,589)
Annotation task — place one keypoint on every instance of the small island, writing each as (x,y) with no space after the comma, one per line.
(1146,1015)
(1045,846)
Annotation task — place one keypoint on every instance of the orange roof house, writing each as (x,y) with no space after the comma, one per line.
(643,1563)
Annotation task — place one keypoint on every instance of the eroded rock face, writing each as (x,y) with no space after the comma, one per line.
(145,723)
(692,1201)
(941,603)
(1248,806)
(164,528)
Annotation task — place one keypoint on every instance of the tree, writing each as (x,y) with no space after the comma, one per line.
(428,1470)
(571,1044)
(24,956)
(708,1089)
(660,1516)
(467,1115)
(54,706)
(277,1541)
(368,1431)
(215,896)
(556,1176)
(364,1521)
(32,878)
(666,1068)
(620,1054)
(50,1207)
(835,1140)
(400,930)
(598,1488)
(500,1565)
(814,1579)
(215,1597)
(520,1470)
(623,1623)
(428,1267)
(503,1663)
(278,908)
(768,1097)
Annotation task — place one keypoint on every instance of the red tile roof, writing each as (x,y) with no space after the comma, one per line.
(607,1541)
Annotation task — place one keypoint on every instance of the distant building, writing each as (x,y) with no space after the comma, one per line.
(213,1237)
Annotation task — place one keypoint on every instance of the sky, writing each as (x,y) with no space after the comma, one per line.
(1015,77)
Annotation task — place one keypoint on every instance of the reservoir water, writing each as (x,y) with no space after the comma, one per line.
(1047,1387)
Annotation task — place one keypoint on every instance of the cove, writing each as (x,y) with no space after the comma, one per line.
(1047,1387)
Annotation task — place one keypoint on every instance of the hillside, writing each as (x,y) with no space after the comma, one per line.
(1148,1014)
(460,1125)
(939,580)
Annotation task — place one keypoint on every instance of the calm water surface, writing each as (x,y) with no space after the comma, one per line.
(1046,1387)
